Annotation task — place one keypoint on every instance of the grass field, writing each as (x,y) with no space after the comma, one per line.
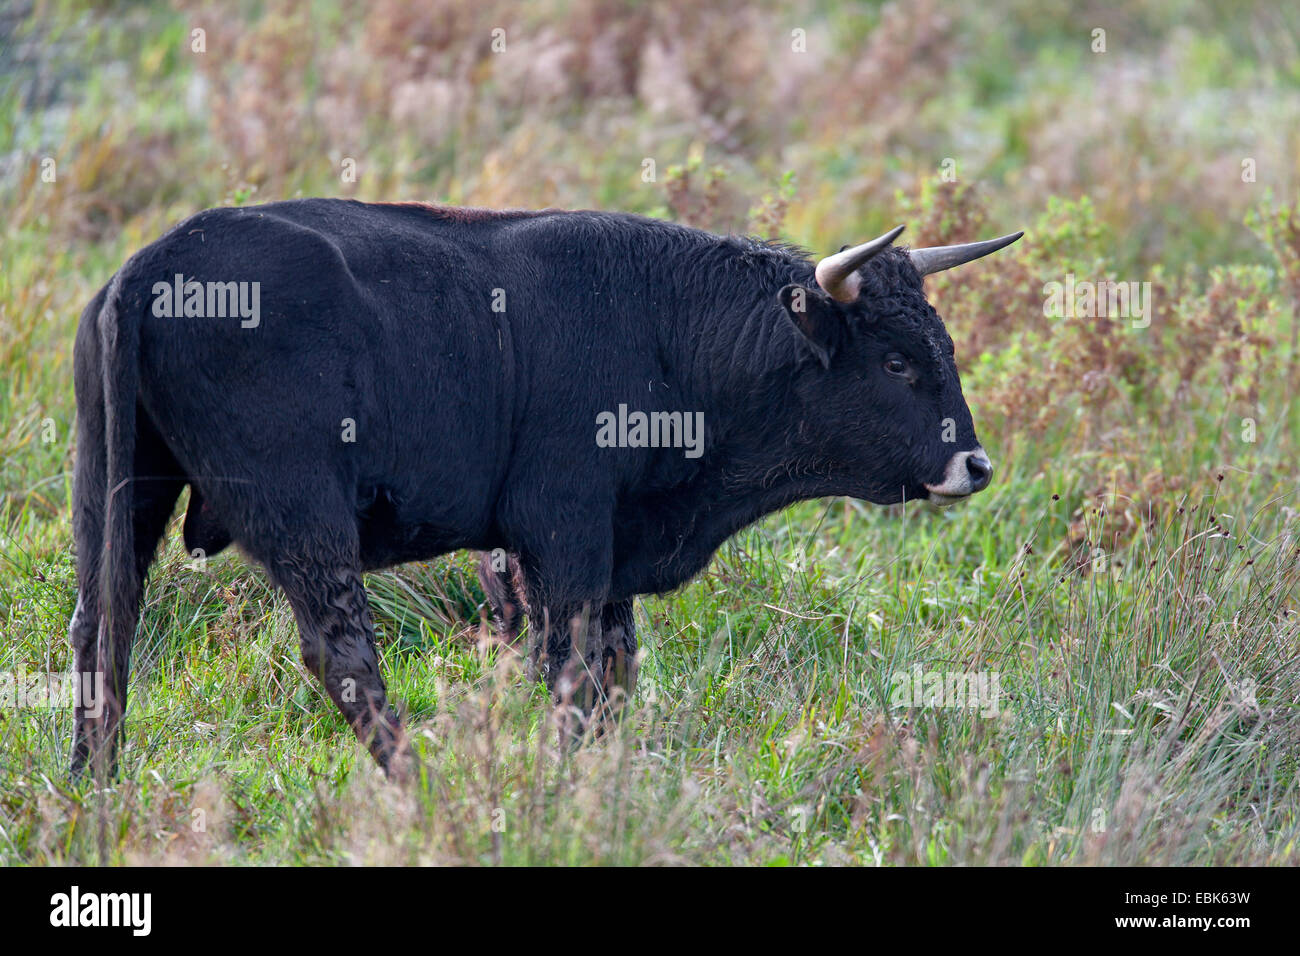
(1130,584)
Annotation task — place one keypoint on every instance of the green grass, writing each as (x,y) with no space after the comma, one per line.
(1147,713)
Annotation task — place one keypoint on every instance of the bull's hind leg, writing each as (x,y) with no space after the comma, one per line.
(322,579)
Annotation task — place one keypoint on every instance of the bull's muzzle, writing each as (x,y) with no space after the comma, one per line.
(967,473)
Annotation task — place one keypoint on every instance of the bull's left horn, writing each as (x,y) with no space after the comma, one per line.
(838,274)
(938,258)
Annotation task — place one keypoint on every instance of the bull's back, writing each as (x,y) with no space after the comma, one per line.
(356,351)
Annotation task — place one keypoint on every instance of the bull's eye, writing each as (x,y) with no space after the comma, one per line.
(896,365)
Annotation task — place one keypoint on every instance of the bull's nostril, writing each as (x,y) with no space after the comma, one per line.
(980,469)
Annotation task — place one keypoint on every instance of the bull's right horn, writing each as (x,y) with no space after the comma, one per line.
(938,258)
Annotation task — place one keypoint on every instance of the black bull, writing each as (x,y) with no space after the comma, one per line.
(346,386)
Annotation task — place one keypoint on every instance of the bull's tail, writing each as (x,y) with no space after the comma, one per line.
(119,577)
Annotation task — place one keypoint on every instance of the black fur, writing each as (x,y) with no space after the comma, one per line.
(476,428)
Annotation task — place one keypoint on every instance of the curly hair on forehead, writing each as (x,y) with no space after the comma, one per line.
(894,294)
(890,272)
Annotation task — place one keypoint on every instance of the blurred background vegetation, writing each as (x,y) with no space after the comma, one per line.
(1172,157)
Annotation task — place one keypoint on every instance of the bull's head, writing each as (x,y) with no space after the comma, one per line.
(886,402)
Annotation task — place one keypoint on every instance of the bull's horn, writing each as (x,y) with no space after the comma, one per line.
(938,258)
(838,274)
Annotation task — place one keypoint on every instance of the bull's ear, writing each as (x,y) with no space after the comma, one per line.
(815,318)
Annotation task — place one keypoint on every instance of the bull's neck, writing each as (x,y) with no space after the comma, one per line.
(743,355)
(735,354)
(734,339)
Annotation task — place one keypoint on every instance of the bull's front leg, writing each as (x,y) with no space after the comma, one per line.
(501,578)
(565,576)
(580,642)
(565,651)
(619,649)
(586,654)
